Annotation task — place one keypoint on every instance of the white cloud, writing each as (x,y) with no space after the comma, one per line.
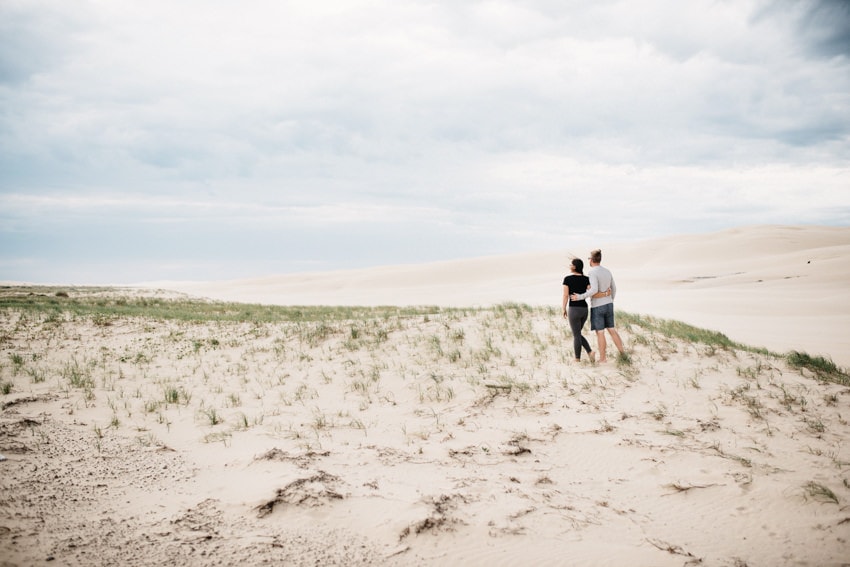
(459,118)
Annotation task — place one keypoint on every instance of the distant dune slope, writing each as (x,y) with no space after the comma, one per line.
(781,287)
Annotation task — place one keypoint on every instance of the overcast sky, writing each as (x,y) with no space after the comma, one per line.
(213,139)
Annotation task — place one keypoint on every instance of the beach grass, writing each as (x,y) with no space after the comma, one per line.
(421,387)
(678,330)
(823,368)
(104,305)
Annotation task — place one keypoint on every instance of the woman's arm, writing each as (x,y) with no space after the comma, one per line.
(599,294)
(565,301)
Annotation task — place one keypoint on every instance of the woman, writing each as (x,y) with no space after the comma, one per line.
(576,311)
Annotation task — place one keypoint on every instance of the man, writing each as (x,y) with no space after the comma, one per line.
(601,307)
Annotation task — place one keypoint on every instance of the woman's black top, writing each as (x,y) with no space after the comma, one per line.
(577,284)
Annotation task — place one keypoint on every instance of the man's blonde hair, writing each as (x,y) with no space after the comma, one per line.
(596,256)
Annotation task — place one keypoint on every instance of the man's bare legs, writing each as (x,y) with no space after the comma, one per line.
(602,344)
(615,336)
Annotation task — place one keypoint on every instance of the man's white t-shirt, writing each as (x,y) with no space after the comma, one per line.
(601,279)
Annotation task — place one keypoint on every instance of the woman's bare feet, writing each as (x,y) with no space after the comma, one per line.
(592,356)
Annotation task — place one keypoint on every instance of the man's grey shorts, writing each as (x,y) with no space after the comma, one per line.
(602,317)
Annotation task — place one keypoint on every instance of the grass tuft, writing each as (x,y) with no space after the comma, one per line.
(825,370)
(213,417)
(17,362)
(819,492)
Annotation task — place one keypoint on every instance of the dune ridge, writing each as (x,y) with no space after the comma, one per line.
(779,287)
(436,435)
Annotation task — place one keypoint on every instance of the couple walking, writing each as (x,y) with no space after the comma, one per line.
(599,286)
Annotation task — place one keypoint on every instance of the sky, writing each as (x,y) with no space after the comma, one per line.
(214,140)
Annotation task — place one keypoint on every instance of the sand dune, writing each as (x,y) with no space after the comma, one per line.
(448,437)
(779,287)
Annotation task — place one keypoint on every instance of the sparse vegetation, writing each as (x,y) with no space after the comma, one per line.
(823,369)
(103,303)
(819,492)
(212,416)
(17,362)
(688,333)
(477,387)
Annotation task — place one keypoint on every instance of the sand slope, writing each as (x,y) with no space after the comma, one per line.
(457,438)
(453,439)
(780,287)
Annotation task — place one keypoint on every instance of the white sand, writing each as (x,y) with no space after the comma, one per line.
(783,288)
(454,439)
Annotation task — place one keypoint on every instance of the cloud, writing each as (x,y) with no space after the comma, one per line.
(35,38)
(822,27)
(503,124)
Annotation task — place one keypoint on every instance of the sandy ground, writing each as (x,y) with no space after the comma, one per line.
(780,287)
(462,437)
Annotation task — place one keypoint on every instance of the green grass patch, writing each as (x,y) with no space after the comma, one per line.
(679,330)
(103,307)
(823,368)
